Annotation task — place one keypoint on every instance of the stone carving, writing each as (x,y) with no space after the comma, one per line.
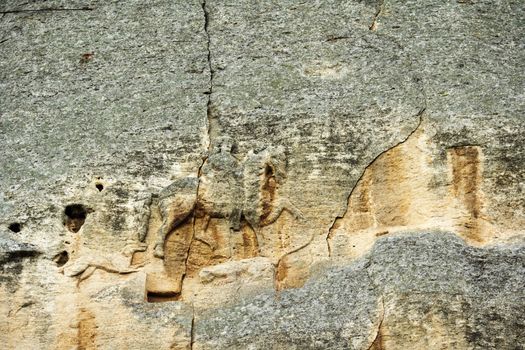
(262,173)
(84,266)
(220,192)
(228,189)
(254,269)
(176,202)
(135,242)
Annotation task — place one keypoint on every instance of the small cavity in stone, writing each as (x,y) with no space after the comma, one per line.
(75,216)
(61,258)
(99,187)
(152,297)
(15,227)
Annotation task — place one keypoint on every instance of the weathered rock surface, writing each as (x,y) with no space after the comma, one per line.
(269,174)
(415,291)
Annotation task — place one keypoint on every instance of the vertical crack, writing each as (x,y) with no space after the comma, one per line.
(209,112)
(192,330)
(192,238)
(208,136)
(188,251)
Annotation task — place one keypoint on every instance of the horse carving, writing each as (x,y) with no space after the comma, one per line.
(227,189)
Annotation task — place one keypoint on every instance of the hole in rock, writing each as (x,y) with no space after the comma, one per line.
(61,258)
(99,187)
(154,297)
(15,227)
(75,216)
(268,171)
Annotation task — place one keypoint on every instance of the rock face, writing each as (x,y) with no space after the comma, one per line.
(416,291)
(262,175)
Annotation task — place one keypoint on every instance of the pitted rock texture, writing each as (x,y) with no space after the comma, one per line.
(259,174)
(412,291)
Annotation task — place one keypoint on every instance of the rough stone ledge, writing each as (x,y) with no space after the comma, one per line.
(405,281)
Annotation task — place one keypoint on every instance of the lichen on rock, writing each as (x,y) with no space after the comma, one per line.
(262,175)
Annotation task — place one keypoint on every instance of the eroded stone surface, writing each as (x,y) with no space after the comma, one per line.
(411,291)
(172,169)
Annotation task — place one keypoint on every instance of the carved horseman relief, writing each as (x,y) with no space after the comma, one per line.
(241,196)
(227,189)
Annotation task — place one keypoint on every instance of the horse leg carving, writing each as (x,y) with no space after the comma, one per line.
(172,215)
(161,237)
(235,219)
(281,205)
(205,222)
(292,209)
(87,273)
(256,228)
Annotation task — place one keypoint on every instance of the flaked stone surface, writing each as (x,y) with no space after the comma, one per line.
(217,174)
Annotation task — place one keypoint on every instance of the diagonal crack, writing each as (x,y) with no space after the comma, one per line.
(278,264)
(377,343)
(337,218)
(379,12)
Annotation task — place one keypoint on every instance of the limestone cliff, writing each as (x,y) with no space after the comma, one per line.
(262,174)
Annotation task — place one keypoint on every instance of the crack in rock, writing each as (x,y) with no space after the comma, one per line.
(377,343)
(48,10)
(337,218)
(209,112)
(379,12)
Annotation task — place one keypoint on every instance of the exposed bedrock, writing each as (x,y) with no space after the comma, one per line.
(262,174)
